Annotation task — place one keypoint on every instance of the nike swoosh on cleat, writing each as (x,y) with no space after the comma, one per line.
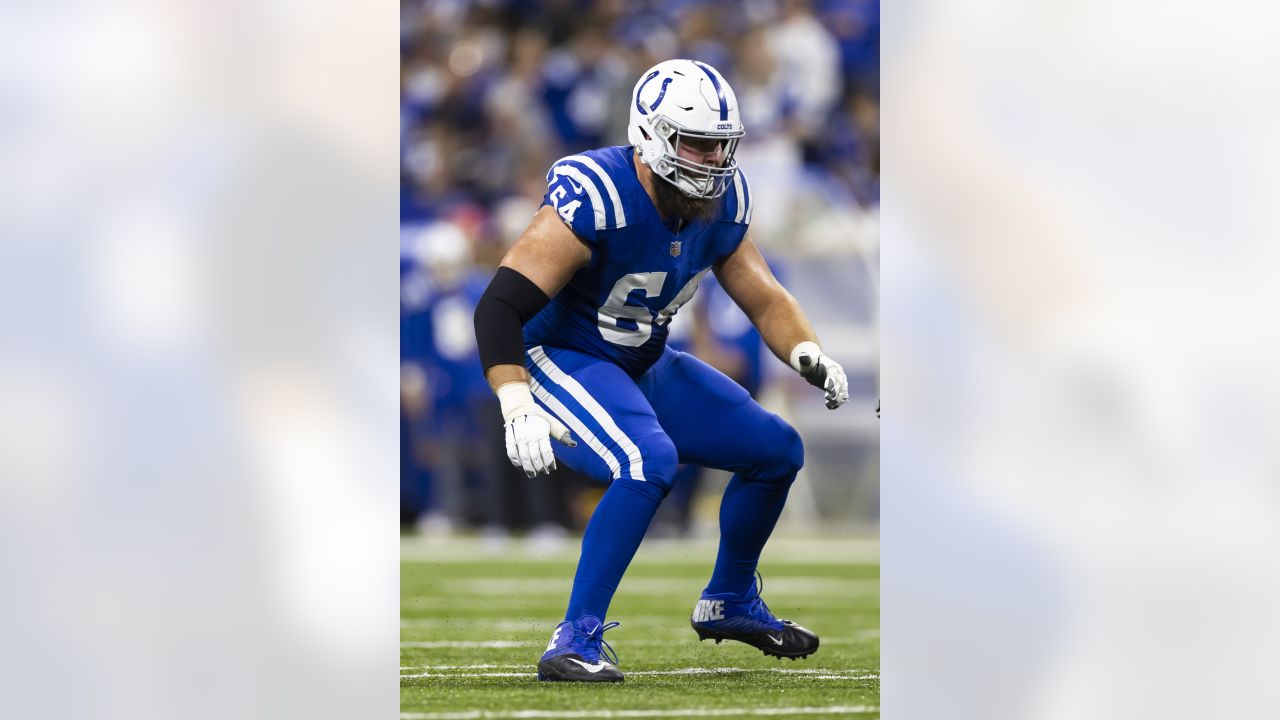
(776,641)
(590,667)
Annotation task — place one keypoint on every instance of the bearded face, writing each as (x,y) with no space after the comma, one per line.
(675,205)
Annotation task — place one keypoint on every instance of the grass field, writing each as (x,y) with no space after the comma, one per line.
(475,621)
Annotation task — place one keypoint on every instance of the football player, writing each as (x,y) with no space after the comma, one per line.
(572,335)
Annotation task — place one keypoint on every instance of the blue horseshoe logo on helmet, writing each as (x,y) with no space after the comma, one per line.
(662,92)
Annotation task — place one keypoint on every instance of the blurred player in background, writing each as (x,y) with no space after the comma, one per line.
(577,316)
(448,403)
(454,441)
(415,475)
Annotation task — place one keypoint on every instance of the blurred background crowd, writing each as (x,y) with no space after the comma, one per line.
(493,92)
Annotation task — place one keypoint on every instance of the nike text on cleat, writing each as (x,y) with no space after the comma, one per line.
(554,637)
(708,610)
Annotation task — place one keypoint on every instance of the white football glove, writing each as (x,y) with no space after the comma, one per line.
(529,430)
(821,372)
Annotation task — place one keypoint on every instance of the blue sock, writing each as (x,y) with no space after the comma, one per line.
(613,534)
(748,512)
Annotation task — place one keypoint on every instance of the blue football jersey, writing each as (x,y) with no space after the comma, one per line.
(641,272)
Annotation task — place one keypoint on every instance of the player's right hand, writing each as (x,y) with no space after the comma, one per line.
(821,372)
(529,430)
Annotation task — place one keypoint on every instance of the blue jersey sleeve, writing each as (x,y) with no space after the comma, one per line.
(585,196)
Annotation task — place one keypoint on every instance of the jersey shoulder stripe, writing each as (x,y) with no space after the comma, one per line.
(619,214)
(583,182)
(742,198)
(606,201)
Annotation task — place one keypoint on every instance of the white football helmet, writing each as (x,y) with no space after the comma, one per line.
(678,101)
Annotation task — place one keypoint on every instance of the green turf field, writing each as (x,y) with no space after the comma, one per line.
(475,620)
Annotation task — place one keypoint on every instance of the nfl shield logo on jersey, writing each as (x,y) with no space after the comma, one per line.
(675,249)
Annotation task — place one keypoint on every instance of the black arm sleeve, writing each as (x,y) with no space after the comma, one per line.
(509,302)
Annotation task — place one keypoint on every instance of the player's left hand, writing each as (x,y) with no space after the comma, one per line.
(821,372)
(530,430)
(528,439)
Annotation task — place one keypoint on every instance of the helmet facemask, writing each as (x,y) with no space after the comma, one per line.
(696,180)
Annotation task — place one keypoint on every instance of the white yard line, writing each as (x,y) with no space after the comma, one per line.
(544,604)
(824,674)
(533,623)
(478,666)
(468,644)
(864,674)
(532,675)
(485,624)
(690,712)
(680,671)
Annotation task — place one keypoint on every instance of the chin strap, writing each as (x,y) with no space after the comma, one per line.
(651,154)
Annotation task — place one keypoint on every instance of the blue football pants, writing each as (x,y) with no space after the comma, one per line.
(633,433)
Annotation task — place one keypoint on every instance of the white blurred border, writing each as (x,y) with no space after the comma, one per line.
(198,371)
(1079,474)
